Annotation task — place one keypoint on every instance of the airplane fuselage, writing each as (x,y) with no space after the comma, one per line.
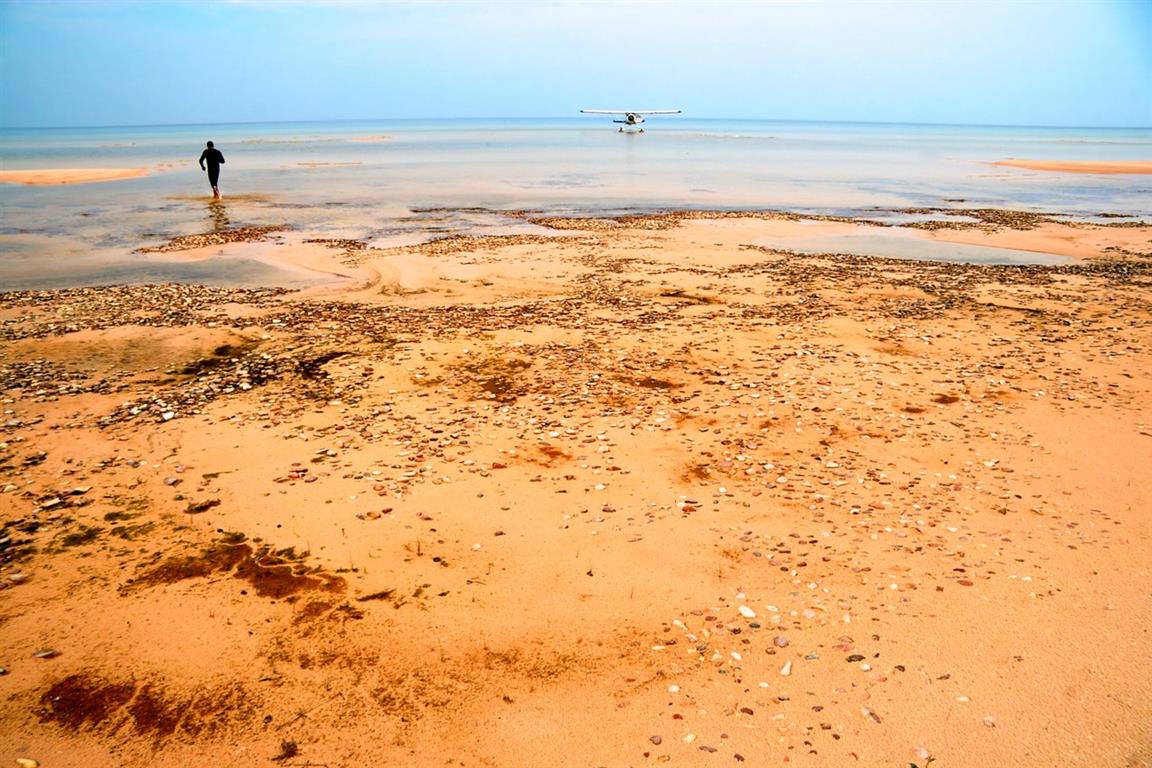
(631,118)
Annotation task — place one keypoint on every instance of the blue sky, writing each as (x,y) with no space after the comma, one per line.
(1069,62)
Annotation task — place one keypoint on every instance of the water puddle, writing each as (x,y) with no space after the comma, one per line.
(911,245)
(220,272)
(899,218)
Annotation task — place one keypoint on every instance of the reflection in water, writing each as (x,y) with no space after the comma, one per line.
(218,212)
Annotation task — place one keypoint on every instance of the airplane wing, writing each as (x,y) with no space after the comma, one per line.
(630,111)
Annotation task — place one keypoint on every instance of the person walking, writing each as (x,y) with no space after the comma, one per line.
(215,159)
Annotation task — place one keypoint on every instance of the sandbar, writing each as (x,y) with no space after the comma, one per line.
(1081,166)
(50,176)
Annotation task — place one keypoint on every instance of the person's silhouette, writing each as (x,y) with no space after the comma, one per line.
(215,159)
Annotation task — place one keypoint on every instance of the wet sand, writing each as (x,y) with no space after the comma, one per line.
(635,491)
(50,176)
(1081,166)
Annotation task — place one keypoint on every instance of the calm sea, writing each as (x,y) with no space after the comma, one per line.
(401,182)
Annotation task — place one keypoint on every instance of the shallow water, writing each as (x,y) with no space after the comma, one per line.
(906,245)
(387,182)
(224,273)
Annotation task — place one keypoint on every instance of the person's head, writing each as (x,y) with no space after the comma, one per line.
(210,145)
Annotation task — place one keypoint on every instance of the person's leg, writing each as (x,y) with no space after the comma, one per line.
(214,180)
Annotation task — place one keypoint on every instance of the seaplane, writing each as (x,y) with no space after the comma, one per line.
(631,118)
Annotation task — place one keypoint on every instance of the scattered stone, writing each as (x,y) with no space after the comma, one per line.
(188,242)
(201,506)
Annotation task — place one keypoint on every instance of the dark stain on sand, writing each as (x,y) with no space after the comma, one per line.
(272,574)
(87,701)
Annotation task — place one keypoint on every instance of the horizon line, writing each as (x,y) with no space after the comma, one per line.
(575,116)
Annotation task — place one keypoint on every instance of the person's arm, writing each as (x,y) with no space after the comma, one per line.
(202,154)
(220,155)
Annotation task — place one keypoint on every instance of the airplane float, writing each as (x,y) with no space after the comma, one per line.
(631,118)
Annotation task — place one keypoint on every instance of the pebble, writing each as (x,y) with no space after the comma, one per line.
(18,578)
(27,762)
(204,505)
(46,653)
(656,740)
(780,641)
(747,612)
(786,669)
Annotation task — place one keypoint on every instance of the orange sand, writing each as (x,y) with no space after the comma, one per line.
(629,495)
(1081,166)
(48,176)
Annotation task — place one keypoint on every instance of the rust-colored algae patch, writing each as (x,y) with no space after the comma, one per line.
(152,712)
(278,579)
(217,558)
(694,472)
(80,701)
(271,574)
(547,455)
(89,702)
